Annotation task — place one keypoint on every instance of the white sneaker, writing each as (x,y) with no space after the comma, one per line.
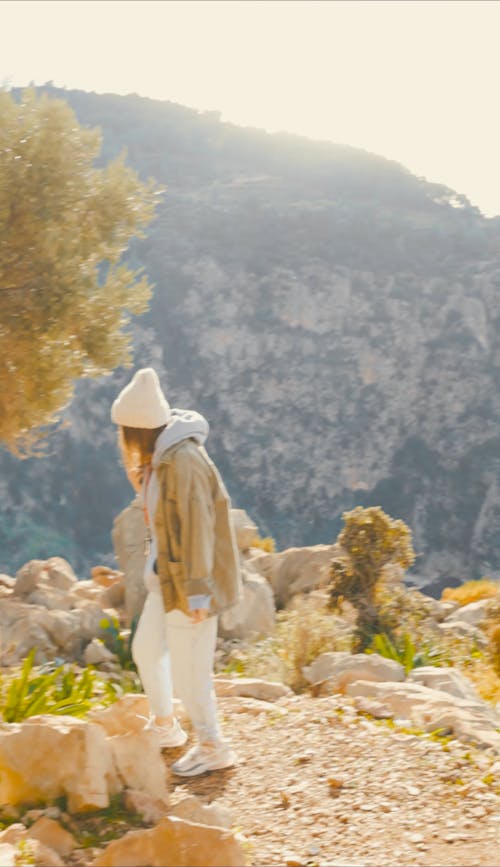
(170,736)
(205,757)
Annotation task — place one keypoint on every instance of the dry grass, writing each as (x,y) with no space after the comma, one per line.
(266,544)
(471,591)
(484,677)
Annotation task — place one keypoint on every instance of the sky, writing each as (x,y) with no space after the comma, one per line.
(412,80)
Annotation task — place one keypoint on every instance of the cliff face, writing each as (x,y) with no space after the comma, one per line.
(333,316)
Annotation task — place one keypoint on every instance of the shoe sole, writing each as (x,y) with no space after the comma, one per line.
(203,768)
(171,746)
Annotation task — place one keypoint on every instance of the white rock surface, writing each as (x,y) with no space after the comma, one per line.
(341,668)
(295,570)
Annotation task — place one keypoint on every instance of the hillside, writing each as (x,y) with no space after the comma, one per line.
(333,316)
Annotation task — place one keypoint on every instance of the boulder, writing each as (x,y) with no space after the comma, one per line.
(177,843)
(83,772)
(127,714)
(97,653)
(84,590)
(245,529)
(340,668)
(460,630)
(251,687)
(255,614)
(137,757)
(60,574)
(430,710)
(129,530)
(151,809)
(104,576)
(29,576)
(473,614)
(36,853)
(52,835)
(445,679)
(23,627)
(52,598)
(63,628)
(7,581)
(295,570)
(112,596)
(192,809)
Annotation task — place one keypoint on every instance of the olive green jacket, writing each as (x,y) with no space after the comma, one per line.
(197,550)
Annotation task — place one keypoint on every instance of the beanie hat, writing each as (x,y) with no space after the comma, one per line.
(141,403)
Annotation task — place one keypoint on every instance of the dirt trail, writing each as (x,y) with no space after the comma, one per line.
(319,785)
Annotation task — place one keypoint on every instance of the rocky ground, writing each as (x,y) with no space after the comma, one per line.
(318,784)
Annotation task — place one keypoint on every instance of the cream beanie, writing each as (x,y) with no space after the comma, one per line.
(141,403)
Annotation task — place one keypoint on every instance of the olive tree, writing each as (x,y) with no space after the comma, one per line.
(65,295)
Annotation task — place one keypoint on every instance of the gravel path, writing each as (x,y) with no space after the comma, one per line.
(319,785)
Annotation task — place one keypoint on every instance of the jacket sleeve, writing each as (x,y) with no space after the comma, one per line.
(197,524)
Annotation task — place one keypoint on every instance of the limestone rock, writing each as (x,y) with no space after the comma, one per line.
(432,709)
(177,843)
(244,528)
(460,629)
(243,704)
(8,855)
(104,576)
(52,598)
(137,757)
(7,581)
(113,596)
(474,614)
(342,668)
(96,653)
(84,590)
(84,770)
(295,570)
(28,577)
(446,679)
(37,854)
(23,627)
(151,809)
(60,573)
(53,835)
(192,809)
(251,687)
(127,714)
(128,535)
(254,615)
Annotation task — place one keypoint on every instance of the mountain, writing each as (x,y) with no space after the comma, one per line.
(335,318)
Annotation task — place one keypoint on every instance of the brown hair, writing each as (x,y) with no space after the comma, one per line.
(137,445)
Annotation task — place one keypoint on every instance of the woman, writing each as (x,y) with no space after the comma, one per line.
(191,570)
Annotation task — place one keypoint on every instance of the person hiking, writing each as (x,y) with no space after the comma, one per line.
(191,569)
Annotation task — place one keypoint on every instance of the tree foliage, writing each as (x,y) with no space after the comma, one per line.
(370,541)
(65,297)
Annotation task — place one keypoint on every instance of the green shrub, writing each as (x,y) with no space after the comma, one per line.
(403,649)
(370,542)
(65,689)
(117,643)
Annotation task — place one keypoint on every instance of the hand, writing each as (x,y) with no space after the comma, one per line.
(199,614)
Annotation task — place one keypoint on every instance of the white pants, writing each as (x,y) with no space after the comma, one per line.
(175,656)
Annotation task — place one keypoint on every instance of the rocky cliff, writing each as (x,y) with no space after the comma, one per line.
(335,318)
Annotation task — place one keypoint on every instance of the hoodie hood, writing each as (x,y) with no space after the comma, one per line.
(183,424)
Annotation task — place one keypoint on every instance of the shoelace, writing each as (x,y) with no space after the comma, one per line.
(150,720)
(151,723)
